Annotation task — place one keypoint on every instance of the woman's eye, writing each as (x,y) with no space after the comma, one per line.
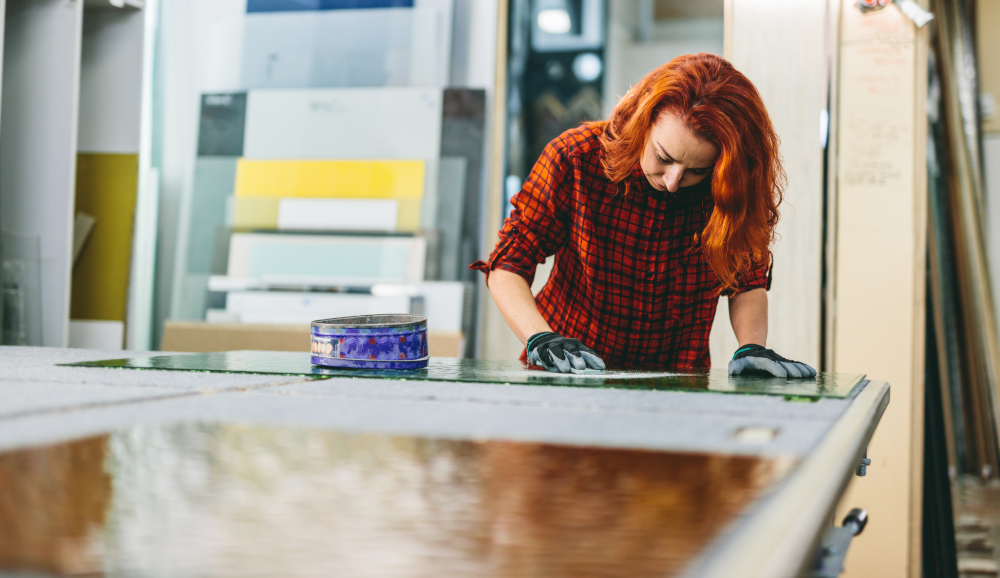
(662,160)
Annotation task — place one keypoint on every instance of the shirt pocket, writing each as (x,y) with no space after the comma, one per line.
(694,289)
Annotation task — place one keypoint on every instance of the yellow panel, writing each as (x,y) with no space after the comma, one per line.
(408,218)
(330,179)
(106,187)
(251,213)
(255,213)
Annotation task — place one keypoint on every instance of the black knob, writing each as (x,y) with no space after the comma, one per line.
(857,518)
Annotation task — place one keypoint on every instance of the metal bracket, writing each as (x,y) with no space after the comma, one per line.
(833,546)
(862,468)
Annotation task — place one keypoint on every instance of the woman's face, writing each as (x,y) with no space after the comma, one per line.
(674,157)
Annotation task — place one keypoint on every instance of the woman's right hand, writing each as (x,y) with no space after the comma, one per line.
(560,354)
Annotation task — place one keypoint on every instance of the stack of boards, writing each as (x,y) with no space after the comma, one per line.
(286,194)
(341,167)
(965,343)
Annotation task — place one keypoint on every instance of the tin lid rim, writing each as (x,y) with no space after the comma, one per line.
(388,320)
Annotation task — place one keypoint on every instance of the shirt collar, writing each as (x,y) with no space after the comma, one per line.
(657,199)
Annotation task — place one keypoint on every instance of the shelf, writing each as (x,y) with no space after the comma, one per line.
(113,4)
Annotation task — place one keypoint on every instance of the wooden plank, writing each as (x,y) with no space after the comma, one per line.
(880,268)
(988,60)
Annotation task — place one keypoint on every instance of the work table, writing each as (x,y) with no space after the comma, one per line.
(438,474)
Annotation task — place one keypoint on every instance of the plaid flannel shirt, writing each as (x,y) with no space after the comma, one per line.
(629,279)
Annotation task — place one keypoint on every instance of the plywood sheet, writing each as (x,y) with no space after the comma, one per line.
(208,337)
(106,187)
(880,265)
(987,23)
(991,164)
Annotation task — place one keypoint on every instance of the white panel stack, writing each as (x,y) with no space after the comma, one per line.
(291,308)
(326,260)
(338,214)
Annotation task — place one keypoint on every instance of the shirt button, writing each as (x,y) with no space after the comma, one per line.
(644,317)
(649,275)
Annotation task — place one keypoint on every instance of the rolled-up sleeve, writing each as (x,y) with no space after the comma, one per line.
(537,226)
(758,277)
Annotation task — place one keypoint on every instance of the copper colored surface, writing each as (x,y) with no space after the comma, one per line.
(226,500)
(53,506)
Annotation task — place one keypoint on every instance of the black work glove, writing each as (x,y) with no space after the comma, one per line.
(560,354)
(750,358)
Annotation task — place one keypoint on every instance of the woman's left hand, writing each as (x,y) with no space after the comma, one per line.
(757,357)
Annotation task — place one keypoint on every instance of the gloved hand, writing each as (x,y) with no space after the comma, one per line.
(756,357)
(560,354)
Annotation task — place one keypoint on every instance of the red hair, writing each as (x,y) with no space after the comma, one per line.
(721,106)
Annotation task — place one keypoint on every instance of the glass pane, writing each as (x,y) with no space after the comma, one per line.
(507,372)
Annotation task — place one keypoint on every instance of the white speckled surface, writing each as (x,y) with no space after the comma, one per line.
(41,403)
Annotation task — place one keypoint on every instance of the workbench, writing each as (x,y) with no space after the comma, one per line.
(181,473)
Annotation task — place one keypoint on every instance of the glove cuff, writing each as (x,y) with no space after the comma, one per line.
(534,338)
(748,349)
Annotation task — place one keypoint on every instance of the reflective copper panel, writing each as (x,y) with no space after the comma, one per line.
(236,500)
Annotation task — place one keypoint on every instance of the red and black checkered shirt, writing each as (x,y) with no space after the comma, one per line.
(629,279)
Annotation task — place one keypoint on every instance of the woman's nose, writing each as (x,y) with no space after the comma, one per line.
(672,178)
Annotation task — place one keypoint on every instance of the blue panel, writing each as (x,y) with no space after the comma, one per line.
(294,5)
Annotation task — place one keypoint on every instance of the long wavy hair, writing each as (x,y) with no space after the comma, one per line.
(720,106)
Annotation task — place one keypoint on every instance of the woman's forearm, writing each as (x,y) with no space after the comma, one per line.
(516,303)
(748,315)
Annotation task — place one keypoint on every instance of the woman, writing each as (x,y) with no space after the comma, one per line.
(651,215)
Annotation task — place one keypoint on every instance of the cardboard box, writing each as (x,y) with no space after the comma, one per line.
(202,337)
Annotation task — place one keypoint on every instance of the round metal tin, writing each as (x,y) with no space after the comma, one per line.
(393,341)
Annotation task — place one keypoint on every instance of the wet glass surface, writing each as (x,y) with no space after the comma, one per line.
(507,372)
(237,500)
